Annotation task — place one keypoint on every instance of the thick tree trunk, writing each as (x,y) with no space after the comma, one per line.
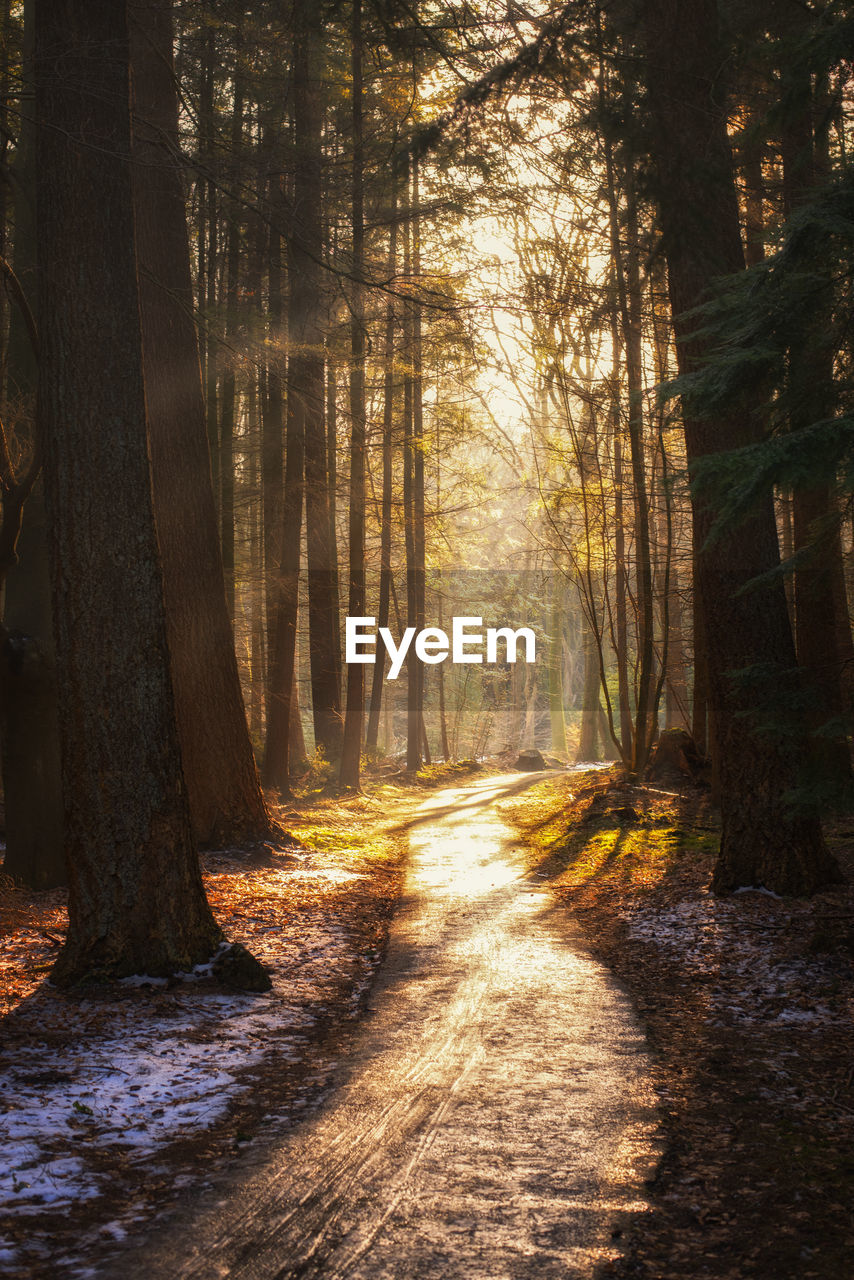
(30,731)
(136,902)
(814,531)
(31,763)
(817,627)
(700,684)
(763,842)
(226,804)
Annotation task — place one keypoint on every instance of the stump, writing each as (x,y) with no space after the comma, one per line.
(676,759)
(530,760)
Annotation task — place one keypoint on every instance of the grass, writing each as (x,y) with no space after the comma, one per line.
(577,844)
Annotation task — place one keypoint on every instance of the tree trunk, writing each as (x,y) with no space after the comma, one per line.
(814,529)
(209,236)
(700,687)
(30,731)
(677,711)
(273,414)
(622,592)
(31,764)
(763,841)
(443,721)
(323,624)
(350,757)
(332,473)
(228,400)
(136,901)
(324,645)
(305,383)
(627,280)
(556,712)
(226,804)
(590,707)
(413,673)
(385,513)
(419,531)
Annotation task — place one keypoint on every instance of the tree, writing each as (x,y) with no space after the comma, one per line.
(384,602)
(747,633)
(136,901)
(353,724)
(32,791)
(305,379)
(226,805)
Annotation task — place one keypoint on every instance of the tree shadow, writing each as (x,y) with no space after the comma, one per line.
(490,793)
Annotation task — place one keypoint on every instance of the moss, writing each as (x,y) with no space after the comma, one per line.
(576,837)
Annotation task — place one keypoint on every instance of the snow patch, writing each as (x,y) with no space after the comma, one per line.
(729,959)
(134,1074)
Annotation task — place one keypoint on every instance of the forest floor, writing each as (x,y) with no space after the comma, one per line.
(117,1100)
(747,1002)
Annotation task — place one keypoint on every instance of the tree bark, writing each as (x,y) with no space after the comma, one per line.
(323,624)
(763,841)
(556,712)
(590,706)
(228,400)
(136,901)
(305,384)
(354,722)
(677,712)
(413,672)
(384,603)
(273,409)
(31,770)
(419,531)
(627,280)
(208,236)
(814,529)
(226,804)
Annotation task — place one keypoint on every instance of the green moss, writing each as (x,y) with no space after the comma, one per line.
(576,847)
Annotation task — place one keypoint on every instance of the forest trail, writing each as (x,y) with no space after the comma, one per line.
(495,1120)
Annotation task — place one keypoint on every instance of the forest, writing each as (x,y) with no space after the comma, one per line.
(393,391)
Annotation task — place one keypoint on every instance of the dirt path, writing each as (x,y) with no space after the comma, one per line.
(495,1120)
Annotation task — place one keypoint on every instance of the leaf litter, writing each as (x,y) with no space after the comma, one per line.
(116,1100)
(748,1002)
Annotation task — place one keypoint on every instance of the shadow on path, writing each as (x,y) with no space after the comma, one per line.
(495,1119)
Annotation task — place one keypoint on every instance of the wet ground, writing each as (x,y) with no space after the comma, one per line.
(495,1120)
